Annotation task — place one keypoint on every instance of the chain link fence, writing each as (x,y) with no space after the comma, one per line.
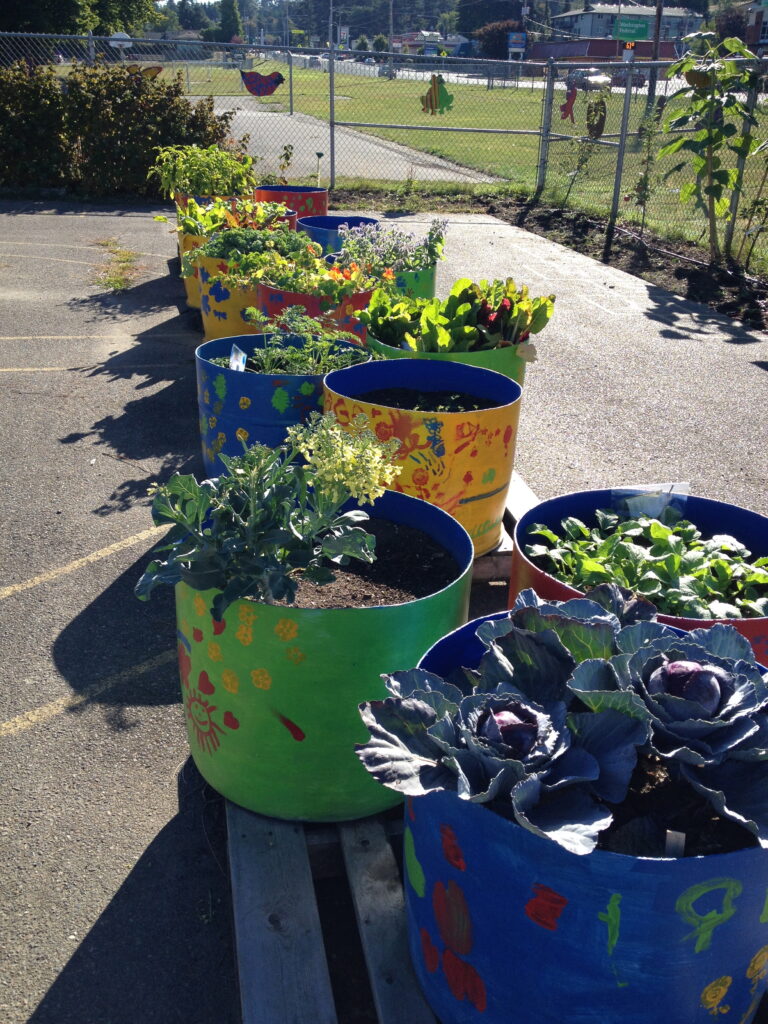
(576,134)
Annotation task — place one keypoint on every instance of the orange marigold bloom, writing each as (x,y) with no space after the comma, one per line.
(389,274)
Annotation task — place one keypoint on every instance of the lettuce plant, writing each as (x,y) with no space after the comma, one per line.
(548,728)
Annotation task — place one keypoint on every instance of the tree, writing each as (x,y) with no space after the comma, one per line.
(120,15)
(447,23)
(231,23)
(65,16)
(493,38)
(380,43)
(362,43)
(731,21)
(473,15)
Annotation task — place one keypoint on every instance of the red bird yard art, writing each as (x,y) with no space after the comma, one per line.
(261,85)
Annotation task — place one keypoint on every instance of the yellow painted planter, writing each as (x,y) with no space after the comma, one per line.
(222,308)
(191,284)
(460,461)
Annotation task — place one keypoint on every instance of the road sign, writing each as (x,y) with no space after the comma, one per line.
(120,41)
(629,28)
(515,40)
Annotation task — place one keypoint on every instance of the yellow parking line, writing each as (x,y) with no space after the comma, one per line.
(38,715)
(31,369)
(95,556)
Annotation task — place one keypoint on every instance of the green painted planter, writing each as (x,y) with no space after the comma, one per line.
(502,360)
(417,284)
(271,693)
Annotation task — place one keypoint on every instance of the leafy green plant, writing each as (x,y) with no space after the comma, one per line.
(243,247)
(712,103)
(203,219)
(473,317)
(379,247)
(666,559)
(648,179)
(273,517)
(121,269)
(586,728)
(577,158)
(299,344)
(197,171)
(35,150)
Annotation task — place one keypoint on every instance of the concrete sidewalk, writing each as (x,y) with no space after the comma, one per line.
(115,892)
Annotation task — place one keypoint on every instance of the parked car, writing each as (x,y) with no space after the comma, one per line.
(639,78)
(314,62)
(587,78)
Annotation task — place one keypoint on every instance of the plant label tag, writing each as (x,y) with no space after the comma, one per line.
(675,843)
(236,358)
(650,499)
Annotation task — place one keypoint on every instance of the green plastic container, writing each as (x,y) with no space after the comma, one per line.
(271,693)
(502,360)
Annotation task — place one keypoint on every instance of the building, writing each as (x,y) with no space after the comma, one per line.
(756,37)
(429,43)
(600,21)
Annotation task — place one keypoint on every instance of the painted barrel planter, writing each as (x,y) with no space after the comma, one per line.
(601,938)
(502,360)
(191,284)
(461,461)
(325,230)
(272,300)
(257,408)
(416,284)
(306,200)
(223,308)
(710,516)
(270,694)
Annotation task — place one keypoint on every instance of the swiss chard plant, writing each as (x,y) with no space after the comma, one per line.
(273,517)
(474,317)
(667,560)
(574,710)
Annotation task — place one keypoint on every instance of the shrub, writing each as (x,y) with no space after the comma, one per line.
(31,139)
(115,120)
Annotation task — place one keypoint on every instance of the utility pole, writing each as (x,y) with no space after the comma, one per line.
(653,72)
(391,35)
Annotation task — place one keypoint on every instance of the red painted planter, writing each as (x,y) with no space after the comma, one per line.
(304,199)
(273,300)
(711,517)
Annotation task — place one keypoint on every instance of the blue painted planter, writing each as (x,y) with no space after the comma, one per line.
(254,407)
(506,926)
(325,230)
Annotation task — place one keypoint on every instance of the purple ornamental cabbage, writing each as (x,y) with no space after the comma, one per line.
(503,734)
(706,702)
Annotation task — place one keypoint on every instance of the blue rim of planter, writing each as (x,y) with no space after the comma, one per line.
(424,375)
(325,229)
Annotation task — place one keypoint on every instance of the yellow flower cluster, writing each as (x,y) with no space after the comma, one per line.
(349,460)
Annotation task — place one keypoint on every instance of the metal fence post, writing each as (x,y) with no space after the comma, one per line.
(546,127)
(91,48)
(730,225)
(332,116)
(620,156)
(290,82)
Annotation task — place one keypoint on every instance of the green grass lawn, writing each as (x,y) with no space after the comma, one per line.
(582,171)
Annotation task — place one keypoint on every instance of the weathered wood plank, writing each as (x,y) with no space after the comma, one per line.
(520,499)
(281,956)
(377,894)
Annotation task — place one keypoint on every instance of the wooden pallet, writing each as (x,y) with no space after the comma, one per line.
(282,959)
(274,868)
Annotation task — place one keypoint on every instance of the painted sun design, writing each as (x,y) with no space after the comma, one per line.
(758,967)
(200,714)
(714,993)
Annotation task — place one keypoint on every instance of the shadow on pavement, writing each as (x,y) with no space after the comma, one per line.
(161,423)
(163,947)
(152,296)
(117,634)
(670,309)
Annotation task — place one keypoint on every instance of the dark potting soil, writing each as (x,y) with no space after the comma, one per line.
(425,401)
(657,802)
(409,565)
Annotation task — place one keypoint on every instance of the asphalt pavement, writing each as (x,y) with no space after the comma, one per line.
(115,901)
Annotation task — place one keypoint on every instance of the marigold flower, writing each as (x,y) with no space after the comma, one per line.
(389,274)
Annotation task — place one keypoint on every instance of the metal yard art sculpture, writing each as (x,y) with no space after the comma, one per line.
(437,99)
(261,85)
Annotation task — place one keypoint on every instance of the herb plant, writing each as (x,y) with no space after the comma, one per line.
(473,317)
(244,247)
(572,714)
(666,560)
(377,247)
(273,517)
(211,171)
(321,345)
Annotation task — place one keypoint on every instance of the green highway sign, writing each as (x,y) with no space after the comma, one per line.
(630,29)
